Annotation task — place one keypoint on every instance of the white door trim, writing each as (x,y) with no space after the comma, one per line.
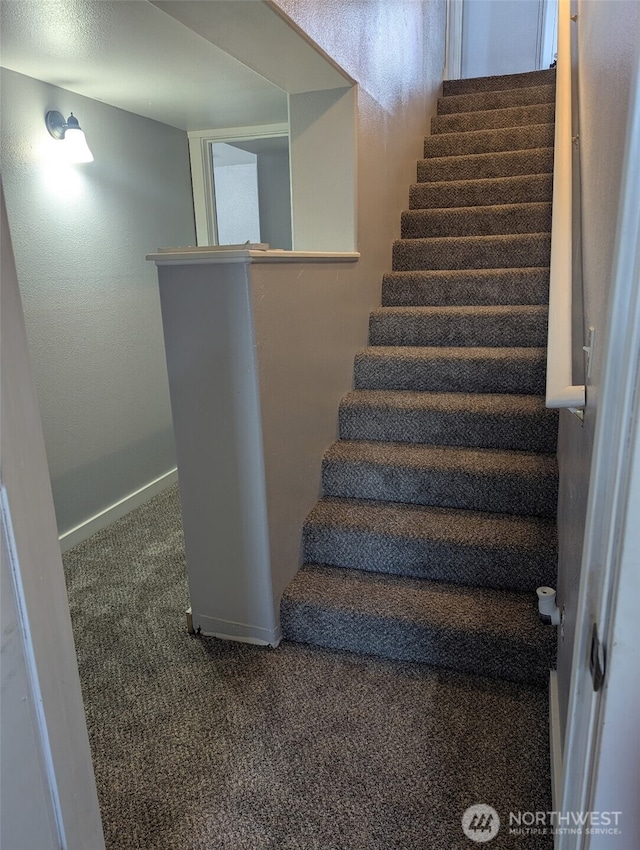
(453,43)
(547,33)
(204,202)
(608,529)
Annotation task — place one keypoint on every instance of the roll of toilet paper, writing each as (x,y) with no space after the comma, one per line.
(547,605)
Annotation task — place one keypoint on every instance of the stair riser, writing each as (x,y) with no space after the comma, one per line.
(462,489)
(487,100)
(510,330)
(386,638)
(500,83)
(522,251)
(492,119)
(536,433)
(484,166)
(536,188)
(478,566)
(486,141)
(482,376)
(482,221)
(522,286)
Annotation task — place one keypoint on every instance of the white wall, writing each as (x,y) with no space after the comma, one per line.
(274,196)
(237,213)
(323,169)
(608,35)
(47,790)
(500,36)
(91,303)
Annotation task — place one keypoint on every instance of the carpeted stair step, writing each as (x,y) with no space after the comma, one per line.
(485,141)
(519,371)
(513,116)
(499,83)
(465,287)
(437,522)
(473,252)
(512,326)
(483,101)
(476,221)
(515,422)
(523,188)
(481,166)
(438,544)
(493,480)
(489,632)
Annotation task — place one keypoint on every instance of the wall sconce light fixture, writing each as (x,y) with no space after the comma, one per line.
(69,131)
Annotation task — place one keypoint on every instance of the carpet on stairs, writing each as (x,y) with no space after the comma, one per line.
(438,516)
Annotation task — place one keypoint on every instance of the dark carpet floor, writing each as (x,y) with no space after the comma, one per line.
(200,744)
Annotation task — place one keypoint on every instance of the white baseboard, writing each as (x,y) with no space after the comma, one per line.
(230,630)
(111,514)
(555,740)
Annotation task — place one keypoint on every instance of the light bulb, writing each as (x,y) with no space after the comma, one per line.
(76,145)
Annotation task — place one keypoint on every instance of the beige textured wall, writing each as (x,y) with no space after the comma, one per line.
(608,36)
(311,319)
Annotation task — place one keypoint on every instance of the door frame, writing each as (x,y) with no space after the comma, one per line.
(610,579)
(204,200)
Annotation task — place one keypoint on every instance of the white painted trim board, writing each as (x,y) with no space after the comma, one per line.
(116,511)
(555,741)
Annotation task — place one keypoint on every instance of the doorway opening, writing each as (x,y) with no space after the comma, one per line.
(242,186)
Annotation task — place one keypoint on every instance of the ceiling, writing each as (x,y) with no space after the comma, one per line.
(135,56)
(244,152)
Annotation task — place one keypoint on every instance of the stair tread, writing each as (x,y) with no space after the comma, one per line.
(508,325)
(490,420)
(483,369)
(490,132)
(451,607)
(480,209)
(482,157)
(512,116)
(497,404)
(481,191)
(494,238)
(500,82)
(486,311)
(485,182)
(485,165)
(472,252)
(453,352)
(449,525)
(500,99)
(439,352)
(466,287)
(474,461)
(449,274)
(485,220)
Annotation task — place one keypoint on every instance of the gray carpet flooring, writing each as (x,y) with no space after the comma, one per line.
(200,744)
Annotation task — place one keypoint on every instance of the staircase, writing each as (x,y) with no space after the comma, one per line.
(438,517)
